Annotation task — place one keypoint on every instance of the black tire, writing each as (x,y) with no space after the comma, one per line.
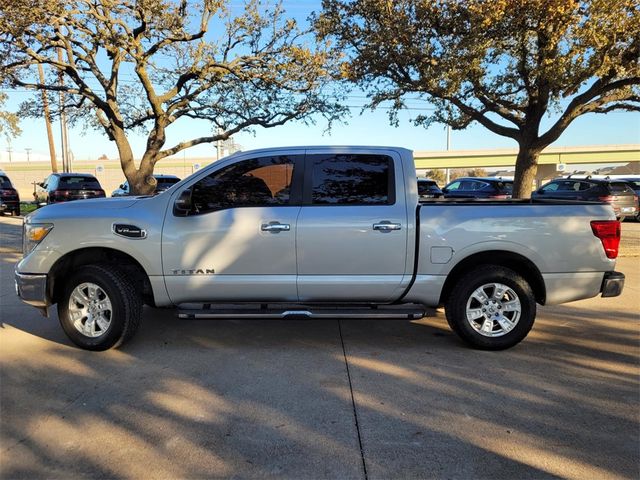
(124,315)
(461,296)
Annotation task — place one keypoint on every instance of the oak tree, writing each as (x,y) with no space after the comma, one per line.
(524,69)
(142,65)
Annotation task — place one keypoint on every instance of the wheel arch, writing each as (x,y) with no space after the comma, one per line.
(66,264)
(502,258)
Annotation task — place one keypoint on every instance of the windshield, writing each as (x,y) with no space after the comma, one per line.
(5,182)
(79,183)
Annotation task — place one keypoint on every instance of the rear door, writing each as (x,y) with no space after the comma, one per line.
(352,229)
(237,242)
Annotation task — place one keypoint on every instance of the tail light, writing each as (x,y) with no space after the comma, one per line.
(606,198)
(608,231)
(100,193)
(499,197)
(59,195)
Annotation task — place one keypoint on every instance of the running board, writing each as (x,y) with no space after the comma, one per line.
(412,312)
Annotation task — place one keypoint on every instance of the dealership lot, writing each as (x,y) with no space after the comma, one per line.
(323,399)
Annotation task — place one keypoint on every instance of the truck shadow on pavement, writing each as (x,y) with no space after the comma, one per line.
(254,398)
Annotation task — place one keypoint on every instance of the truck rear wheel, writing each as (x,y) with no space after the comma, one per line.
(491,308)
(100,308)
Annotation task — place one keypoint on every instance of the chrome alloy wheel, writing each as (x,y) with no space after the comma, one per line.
(90,310)
(493,310)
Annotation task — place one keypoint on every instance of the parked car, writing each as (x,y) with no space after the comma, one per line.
(65,187)
(428,189)
(479,187)
(617,193)
(634,183)
(9,197)
(164,183)
(314,232)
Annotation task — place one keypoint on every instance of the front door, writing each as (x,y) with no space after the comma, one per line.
(237,240)
(352,231)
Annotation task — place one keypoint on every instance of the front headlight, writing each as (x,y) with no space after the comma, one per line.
(33,234)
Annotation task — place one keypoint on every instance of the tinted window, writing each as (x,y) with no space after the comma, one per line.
(251,183)
(620,187)
(476,185)
(427,187)
(352,180)
(5,182)
(504,186)
(78,183)
(634,183)
(167,182)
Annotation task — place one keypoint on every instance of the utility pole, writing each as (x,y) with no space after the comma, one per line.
(447,171)
(63,120)
(47,121)
(9,150)
(28,150)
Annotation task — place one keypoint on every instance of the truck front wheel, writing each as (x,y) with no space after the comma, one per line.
(491,308)
(100,308)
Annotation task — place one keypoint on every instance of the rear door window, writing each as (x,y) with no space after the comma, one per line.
(5,182)
(351,180)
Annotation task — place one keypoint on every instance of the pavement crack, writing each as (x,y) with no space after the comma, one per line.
(353,402)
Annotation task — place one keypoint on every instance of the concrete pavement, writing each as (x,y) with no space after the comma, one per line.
(322,399)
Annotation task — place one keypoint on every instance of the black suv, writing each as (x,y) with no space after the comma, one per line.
(479,187)
(9,198)
(428,189)
(64,187)
(617,193)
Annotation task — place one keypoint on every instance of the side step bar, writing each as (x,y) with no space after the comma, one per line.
(411,312)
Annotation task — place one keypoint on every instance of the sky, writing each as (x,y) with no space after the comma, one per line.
(366,128)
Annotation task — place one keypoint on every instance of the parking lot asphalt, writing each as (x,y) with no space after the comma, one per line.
(321,399)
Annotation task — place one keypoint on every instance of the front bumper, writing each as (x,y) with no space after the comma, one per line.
(32,289)
(612,284)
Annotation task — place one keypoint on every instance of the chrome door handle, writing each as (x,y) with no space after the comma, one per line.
(386,226)
(275,227)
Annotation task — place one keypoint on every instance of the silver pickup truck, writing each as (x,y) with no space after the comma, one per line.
(321,232)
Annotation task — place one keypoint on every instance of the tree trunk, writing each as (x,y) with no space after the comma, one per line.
(526,169)
(141,181)
(144,182)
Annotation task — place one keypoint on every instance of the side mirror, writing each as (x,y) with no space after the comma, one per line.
(122,186)
(540,192)
(445,190)
(40,184)
(182,206)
